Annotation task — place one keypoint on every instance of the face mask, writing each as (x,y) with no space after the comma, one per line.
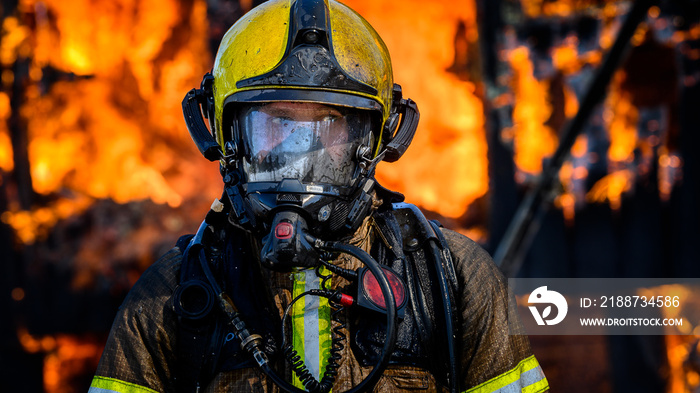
(301,176)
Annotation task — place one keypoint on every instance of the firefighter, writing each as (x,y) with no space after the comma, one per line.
(307,275)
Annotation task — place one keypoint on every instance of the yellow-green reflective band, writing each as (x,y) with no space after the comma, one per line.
(297,316)
(111,385)
(537,387)
(526,377)
(311,326)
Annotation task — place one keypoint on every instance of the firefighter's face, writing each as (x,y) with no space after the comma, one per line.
(303,124)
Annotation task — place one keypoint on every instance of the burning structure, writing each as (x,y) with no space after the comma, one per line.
(98,176)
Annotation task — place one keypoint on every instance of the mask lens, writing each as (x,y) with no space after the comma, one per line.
(306,141)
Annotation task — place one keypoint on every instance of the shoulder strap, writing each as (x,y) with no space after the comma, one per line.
(448,263)
(206,344)
(447,280)
(431,257)
(199,335)
(414,271)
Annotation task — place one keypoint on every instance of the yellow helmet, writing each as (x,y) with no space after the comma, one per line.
(302,106)
(305,51)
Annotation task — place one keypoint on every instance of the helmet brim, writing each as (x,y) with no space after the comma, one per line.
(304,95)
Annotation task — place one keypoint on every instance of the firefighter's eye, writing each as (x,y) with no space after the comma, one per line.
(280,120)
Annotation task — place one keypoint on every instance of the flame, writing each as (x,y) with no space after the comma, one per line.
(6,163)
(563,8)
(622,118)
(682,350)
(533,107)
(677,352)
(532,138)
(66,357)
(670,172)
(572,176)
(14,38)
(111,168)
(610,188)
(114,132)
(108,160)
(117,132)
(566,58)
(445,169)
(29,225)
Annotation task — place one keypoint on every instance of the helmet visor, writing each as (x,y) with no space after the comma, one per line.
(311,142)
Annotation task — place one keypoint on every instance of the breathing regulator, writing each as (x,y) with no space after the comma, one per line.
(299,109)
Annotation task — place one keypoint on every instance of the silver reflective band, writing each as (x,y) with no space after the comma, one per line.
(312,347)
(526,379)
(100,390)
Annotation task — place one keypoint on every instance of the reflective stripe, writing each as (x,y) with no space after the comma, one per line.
(111,385)
(525,383)
(310,325)
(526,377)
(298,321)
(99,390)
(311,334)
(537,387)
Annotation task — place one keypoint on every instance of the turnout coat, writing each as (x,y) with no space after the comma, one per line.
(145,351)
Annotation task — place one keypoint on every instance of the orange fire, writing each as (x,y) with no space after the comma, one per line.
(683,350)
(682,379)
(116,132)
(533,139)
(621,118)
(570,176)
(622,123)
(670,164)
(113,129)
(6,164)
(66,357)
(445,169)
(561,8)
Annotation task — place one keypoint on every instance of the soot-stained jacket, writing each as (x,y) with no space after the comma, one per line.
(494,355)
